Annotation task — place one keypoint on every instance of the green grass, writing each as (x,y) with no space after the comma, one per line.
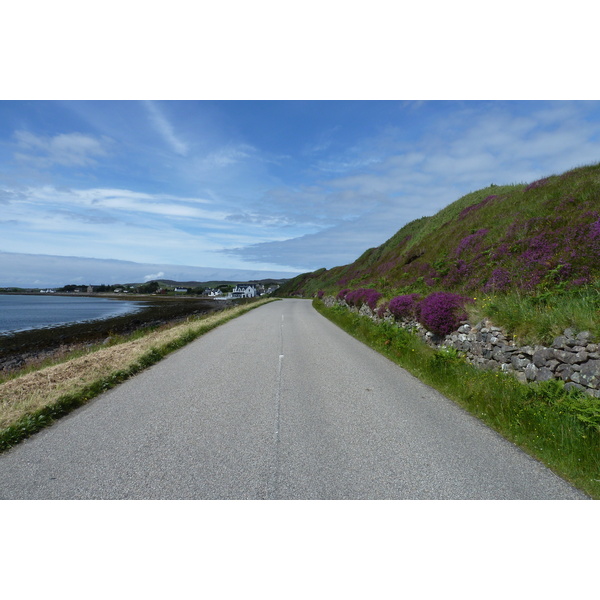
(538,319)
(560,428)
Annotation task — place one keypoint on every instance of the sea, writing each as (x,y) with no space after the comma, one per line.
(21,313)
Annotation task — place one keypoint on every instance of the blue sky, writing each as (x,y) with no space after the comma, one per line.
(244,140)
(252,187)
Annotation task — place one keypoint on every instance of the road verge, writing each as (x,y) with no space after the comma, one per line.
(34,400)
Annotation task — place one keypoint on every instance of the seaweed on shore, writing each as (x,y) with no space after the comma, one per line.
(23,347)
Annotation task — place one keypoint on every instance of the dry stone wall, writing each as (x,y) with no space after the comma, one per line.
(573,357)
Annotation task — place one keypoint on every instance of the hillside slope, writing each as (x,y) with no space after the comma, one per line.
(525,256)
(526,238)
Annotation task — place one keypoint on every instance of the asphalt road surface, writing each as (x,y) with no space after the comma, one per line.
(276,404)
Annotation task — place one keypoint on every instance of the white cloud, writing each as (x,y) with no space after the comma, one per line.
(116,202)
(152,276)
(165,129)
(229,155)
(66,149)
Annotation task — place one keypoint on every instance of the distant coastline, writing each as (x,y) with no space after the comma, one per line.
(20,349)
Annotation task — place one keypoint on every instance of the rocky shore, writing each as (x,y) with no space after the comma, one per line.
(24,348)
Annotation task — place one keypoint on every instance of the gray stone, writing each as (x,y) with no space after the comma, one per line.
(590,374)
(559,342)
(573,386)
(526,350)
(581,356)
(592,347)
(569,332)
(500,356)
(521,377)
(531,372)
(544,374)
(542,356)
(564,372)
(584,336)
(476,348)
(565,357)
(519,363)
(552,364)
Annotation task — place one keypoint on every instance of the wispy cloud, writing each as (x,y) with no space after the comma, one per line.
(66,149)
(229,155)
(165,129)
(24,270)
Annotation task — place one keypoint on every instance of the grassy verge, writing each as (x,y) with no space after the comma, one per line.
(538,319)
(559,428)
(35,399)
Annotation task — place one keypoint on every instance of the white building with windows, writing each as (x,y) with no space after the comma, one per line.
(244,290)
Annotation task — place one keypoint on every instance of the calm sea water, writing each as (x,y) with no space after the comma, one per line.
(19,313)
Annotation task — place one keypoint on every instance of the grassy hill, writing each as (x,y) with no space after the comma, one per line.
(528,256)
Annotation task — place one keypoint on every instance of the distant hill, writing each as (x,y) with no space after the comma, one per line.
(525,237)
(214,284)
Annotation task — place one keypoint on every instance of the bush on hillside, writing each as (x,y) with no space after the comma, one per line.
(404,307)
(363,296)
(442,312)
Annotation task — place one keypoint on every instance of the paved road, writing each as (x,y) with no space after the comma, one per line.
(277,404)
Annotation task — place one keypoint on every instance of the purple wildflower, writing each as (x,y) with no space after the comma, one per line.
(470,241)
(537,184)
(498,281)
(405,306)
(363,296)
(469,209)
(442,312)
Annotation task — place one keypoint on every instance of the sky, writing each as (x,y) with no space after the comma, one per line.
(134,190)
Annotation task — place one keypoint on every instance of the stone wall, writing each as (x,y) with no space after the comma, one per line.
(573,357)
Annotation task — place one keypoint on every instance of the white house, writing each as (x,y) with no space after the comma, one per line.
(212,292)
(244,290)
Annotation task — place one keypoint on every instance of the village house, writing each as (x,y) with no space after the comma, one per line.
(244,290)
(212,292)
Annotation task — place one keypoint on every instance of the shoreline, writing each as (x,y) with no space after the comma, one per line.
(32,346)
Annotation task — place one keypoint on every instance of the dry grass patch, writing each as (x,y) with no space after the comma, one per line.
(32,392)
